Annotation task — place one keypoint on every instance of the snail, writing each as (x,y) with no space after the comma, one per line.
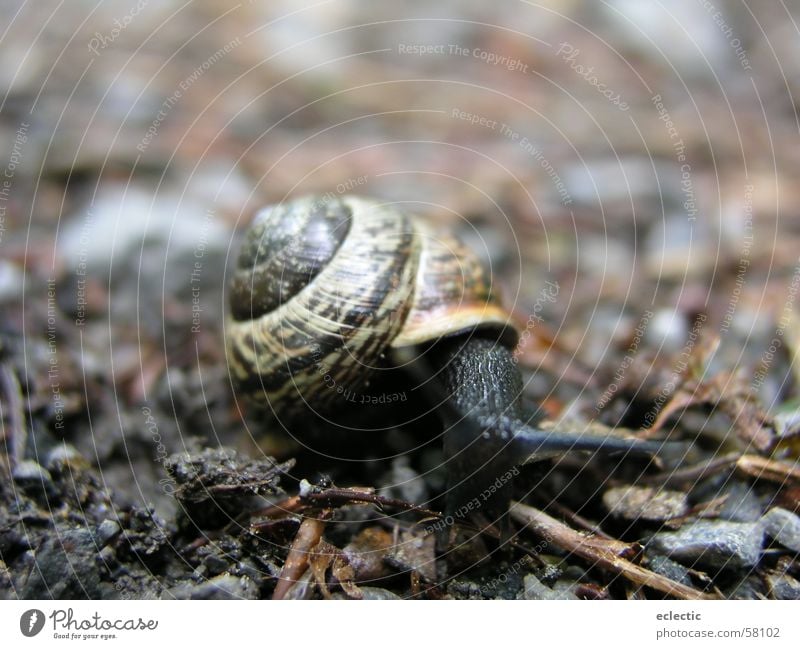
(329,292)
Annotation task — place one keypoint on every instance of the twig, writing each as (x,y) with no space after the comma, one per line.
(307,537)
(600,552)
(693,473)
(290,505)
(763,468)
(577,519)
(344,496)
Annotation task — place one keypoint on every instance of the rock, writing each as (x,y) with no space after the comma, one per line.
(647,503)
(464,589)
(129,237)
(124,219)
(668,330)
(369,592)
(415,552)
(34,480)
(682,28)
(224,586)
(61,456)
(783,526)
(535,589)
(66,565)
(6,583)
(11,280)
(146,540)
(367,552)
(783,586)
(670,569)
(787,423)
(215,564)
(712,544)
(749,588)
(670,254)
(403,483)
(106,531)
(742,504)
(609,179)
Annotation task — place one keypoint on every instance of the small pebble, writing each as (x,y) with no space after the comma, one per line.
(667,330)
(404,483)
(369,592)
(61,456)
(535,589)
(11,281)
(34,479)
(224,586)
(787,423)
(670,569)
(741,505)
(106,531)
(215,564)
(783,526)
(749,588)
(712,544)
(783,586)
(647,503)
(66,564)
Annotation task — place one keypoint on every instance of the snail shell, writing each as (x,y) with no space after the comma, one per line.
(325,291)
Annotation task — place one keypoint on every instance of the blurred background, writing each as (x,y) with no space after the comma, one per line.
(642,157)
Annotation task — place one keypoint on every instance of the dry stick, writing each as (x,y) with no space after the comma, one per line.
(336,496)
(579,520)
(598,552)
(693,473)
(290,505)
(763,468)
(307,537)
(343,496)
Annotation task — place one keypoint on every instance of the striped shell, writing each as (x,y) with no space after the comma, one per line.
(326,289)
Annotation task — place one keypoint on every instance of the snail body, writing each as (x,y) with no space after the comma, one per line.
(328,293)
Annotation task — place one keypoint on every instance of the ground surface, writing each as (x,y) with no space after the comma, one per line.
(629,173)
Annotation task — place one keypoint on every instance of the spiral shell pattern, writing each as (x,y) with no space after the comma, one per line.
(325,289)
